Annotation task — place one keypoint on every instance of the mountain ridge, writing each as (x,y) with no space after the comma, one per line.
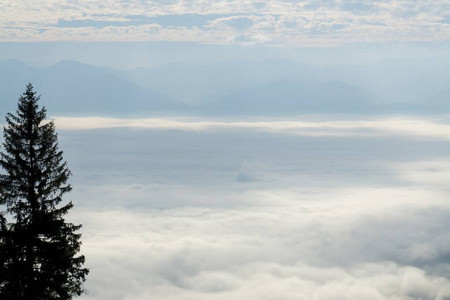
(232,87)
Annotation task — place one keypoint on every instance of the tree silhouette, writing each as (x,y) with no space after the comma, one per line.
(38,249)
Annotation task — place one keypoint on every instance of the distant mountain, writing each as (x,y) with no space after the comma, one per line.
(439,102)
(285,97)
(270,87)
(14,75)
(73,88)
(201,83)
(395,81)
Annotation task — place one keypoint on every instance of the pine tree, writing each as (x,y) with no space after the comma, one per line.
(38,249)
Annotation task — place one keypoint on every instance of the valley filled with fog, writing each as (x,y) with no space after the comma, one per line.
(254,180)
(302,207)
(226,150)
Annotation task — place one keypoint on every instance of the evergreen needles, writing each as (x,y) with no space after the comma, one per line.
(38,249)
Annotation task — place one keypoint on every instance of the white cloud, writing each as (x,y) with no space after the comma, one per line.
(259,253)
(335,215)
(434,172)
(421,128)
(318,22)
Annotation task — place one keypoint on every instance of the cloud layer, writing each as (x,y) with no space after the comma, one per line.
(298,23)
(177,209)
(396,126)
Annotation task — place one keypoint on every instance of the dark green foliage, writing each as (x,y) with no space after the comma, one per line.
(37,247)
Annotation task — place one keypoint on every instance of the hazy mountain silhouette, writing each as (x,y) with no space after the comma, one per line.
(201,83)
(440,102)
(75,88)
(232,87)
(14,75)
(286,97)
(394,86)
(396,80)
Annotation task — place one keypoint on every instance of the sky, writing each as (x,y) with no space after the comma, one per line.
(299,23)
(128,34)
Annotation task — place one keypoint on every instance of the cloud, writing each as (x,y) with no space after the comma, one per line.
(324,216)
(420,128)
(244,177)
(434,172)
(195,253)
(311,21)
(236,22)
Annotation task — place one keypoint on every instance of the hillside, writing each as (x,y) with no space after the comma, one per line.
(73,88)
(235,87)
(285,97)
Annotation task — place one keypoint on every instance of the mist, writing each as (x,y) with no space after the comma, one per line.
(197,209)
(248,150)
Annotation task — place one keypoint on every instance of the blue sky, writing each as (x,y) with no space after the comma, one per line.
(297,23)
(128,34)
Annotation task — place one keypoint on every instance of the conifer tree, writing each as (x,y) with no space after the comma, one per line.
(38,249)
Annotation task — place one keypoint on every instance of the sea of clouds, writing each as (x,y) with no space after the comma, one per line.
(305,208)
